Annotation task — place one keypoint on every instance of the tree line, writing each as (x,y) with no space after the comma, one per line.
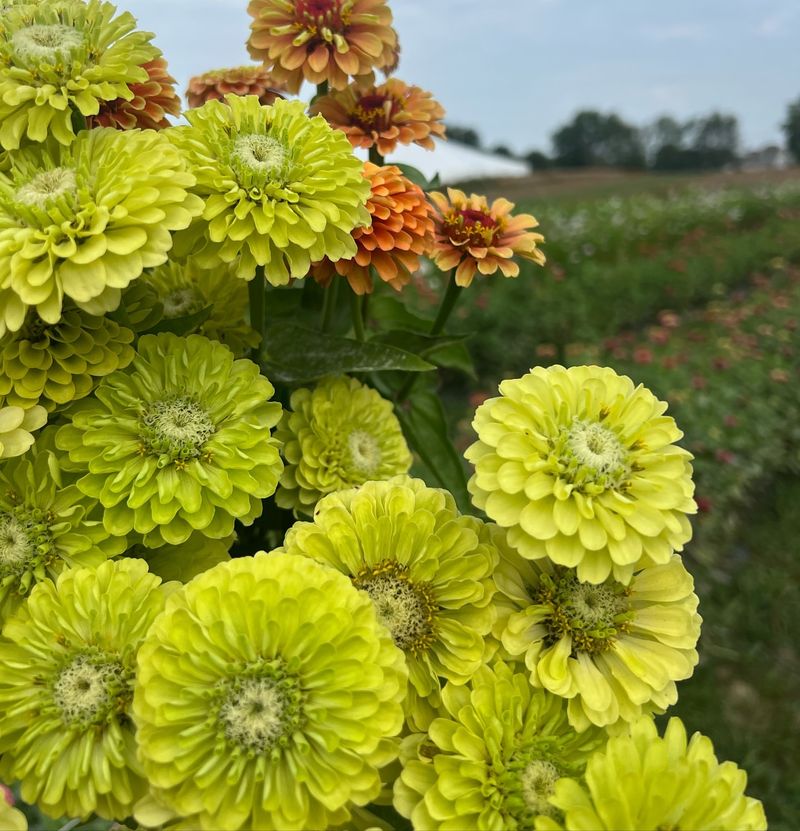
(595,139)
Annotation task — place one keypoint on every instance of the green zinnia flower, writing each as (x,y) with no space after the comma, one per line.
(643,782)
(179,442)
(85,220)
(614,651)
(69,658)
(185,289)
(281,190)
(54,364)
(184,561)
(582,468)
(338,435)
(59,56)
(281,717)
(425,568)
(494,757)
(46,524)
(16,426)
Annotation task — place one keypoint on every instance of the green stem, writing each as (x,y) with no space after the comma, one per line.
(322,89)
(357,305)
(329,303)
(375,157)
(445,309)
(256,289)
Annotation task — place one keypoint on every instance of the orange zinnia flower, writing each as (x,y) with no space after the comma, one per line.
(384,116)
(153,100)
(472,236)
(401,230)
(240,80)
(321,40)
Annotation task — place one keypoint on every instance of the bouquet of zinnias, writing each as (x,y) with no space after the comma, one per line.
(245,579)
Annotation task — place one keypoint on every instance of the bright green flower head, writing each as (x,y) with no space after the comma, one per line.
(581,467)
(85,220)
(46,525)
(64,55)
(11,818)
(424,566)
(186,560)
(642,782)
(16,427)
(493,759)
(614,651)
(267,697)
(337,435)
(281,190)
(186,289)
(54,364)
(179,442)
(69,663)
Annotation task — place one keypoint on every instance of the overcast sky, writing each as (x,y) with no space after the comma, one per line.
(517,69)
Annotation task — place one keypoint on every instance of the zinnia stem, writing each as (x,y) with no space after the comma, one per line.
(329,304)
(357,306)
(445,309)
(257,290)
(374,156)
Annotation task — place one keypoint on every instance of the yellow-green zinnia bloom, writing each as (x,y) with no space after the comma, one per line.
(16,429)
(69,662)
(11,818)
(178,442)
(61,56)
(337,435)
(268,697)
(643,782)
(281,190)
(83,221)
(184,288)
(46,525)
(581,467)
(491,761)
(55,364)
(426,568)
(614,651)
(186,560)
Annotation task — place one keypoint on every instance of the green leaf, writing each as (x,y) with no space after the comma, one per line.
(391,313)
(425,428)
(181,325)
(453,355)
(414,175)
(294,355)
(448,351)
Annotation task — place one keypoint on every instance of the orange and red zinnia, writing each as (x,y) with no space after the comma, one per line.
(153,100)
(321,41)
(470,235)
(401,231)
(384,116)
(239,80)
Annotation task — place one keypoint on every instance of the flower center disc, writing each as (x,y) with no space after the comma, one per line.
(259,713)
(181,302)
(374,112)
(365,453)
(47,186)
(590,455)
(406,609)
(321,14)
(592,615)
(175,427)
(538,782)
(15,545)
(47,44)
(259,160)
(471,228)
(88,690)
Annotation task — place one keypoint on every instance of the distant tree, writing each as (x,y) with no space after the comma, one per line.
(502,150)
(791,128)
(538,160)
(664,132)
(715,140)
(593,138)
(463,135)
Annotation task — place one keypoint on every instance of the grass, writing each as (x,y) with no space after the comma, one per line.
(744,694)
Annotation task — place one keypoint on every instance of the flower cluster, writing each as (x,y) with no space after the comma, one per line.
(242,586)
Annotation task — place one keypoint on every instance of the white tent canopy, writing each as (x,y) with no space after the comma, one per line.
(456,162)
